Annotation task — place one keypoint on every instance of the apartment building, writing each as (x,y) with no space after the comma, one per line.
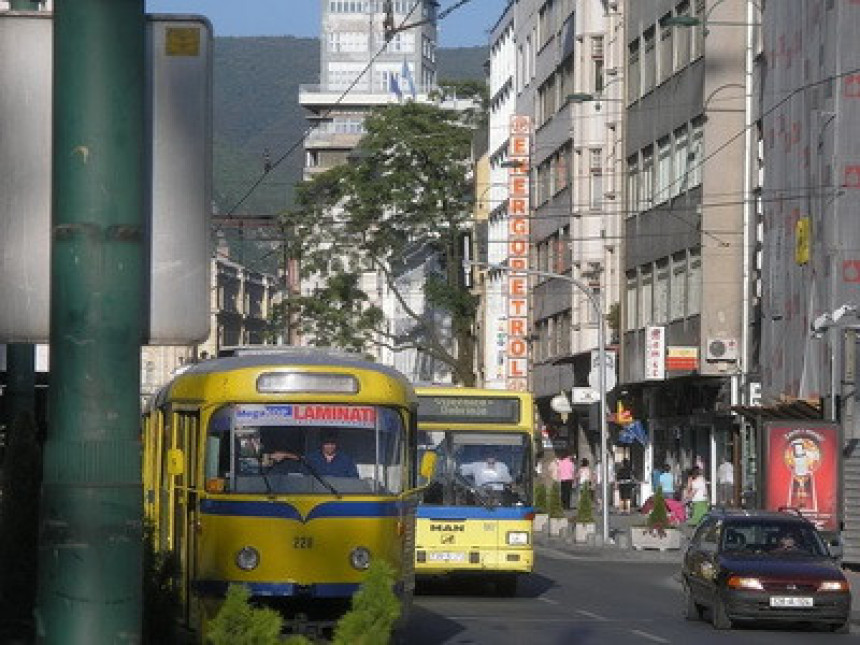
(684,313)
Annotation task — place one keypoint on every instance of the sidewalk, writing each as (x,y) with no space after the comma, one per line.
(619,549)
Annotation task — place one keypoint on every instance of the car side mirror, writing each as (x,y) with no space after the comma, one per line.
(835,547)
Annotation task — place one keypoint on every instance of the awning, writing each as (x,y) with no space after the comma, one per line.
(785,409)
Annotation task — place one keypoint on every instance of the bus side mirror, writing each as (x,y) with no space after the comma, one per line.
(175,462)
(428,465)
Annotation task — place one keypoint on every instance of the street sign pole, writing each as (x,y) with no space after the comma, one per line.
(601,351)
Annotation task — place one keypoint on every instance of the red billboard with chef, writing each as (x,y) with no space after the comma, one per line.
(802,470)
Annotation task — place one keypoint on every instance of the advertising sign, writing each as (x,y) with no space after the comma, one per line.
(655,353)
(802,469)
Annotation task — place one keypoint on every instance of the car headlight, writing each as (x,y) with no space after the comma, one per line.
(359,558)
(833,585)
(248,558)
(742,582)
(517,538)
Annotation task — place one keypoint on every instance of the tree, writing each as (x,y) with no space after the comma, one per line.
(405,203)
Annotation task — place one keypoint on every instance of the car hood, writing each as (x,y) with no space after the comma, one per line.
(791,567)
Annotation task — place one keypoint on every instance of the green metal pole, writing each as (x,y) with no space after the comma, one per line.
(90,548)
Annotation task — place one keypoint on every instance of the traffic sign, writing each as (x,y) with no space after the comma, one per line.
(609,378)
(585,395)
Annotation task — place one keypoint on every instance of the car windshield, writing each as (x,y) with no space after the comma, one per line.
(772,538)
(305,449)
(478,468)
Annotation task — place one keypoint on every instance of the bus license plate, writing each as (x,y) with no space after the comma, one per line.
(446,556)
(790,601)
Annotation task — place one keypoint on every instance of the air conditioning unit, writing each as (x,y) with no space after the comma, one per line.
(722,349)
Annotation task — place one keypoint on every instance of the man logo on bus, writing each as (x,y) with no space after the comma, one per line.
(448,527)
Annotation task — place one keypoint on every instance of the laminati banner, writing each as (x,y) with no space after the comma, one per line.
(519,156)
(802,470)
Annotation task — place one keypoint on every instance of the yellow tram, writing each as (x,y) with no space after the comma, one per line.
(297,531)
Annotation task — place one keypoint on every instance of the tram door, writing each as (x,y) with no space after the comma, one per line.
(186,425)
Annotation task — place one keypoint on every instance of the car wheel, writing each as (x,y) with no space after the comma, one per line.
(719,617)
(693,610)
(841,628)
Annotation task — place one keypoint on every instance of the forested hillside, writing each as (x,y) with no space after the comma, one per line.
(256,90)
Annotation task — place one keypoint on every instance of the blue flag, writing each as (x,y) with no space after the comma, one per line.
(406,75)
(394,86)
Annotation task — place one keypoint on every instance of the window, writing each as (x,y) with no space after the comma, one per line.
(678,286)
(633,72)
(595,179)
(597,63)
(698,47)
(664,169)
(646,298)
(682,37)
(679,164)
(632,186)
(649,59)
(665,52)
(694,283)
(631,315)
(696,154)
(661,293)
(565,78)
(646,179)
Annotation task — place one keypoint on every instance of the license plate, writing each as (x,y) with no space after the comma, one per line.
(446,556)
(790,601)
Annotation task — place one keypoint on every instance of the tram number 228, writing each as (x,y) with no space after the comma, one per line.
(303,542)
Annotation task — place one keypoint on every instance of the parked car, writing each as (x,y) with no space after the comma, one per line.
(763,565)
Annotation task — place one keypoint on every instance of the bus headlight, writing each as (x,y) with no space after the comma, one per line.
(518,538)
(359,558)
(248,558)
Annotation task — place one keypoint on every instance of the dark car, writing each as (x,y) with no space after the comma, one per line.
(763,565)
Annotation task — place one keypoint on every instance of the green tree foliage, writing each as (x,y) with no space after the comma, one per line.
(585,507)
(406,202)
(540,498)
(19,529)
(658,518)
(374,611)
(160,595)
(239,623)
(555,507)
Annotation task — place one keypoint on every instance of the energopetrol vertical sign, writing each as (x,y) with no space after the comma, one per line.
(519,155)
(802,469)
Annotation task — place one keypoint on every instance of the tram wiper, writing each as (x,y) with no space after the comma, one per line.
(322,480)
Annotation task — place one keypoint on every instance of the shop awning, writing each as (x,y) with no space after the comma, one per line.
(784,409)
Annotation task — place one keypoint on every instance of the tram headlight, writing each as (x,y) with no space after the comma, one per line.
(359,558)
(248,558)
(518,538)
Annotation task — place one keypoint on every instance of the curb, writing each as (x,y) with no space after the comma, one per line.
(608,552)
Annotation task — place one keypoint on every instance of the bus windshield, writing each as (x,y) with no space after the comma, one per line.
(294,448)
(478,468)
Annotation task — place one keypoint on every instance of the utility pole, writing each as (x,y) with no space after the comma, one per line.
(90,545)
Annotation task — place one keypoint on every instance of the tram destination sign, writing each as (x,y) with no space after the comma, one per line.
(460,409)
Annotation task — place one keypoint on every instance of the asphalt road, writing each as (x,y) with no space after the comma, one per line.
(573,599)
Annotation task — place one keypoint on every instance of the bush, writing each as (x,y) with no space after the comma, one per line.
(555,507)
(540,498)
(160,595)
(375,609)
(658,518)
(238,623)
(585,507)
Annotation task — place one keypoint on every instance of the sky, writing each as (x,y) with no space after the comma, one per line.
(466,26)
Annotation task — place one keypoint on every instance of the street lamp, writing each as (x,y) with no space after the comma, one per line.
(601,377)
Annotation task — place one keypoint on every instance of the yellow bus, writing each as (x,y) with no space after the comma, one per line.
(476,513)
(239,487)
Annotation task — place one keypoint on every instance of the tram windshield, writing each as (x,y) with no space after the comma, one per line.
(293,448)
(478,468)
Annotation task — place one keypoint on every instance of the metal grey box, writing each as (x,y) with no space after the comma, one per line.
(179,160)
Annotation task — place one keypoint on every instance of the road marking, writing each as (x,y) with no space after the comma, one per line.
(650,637)
(591,615)
(549,601)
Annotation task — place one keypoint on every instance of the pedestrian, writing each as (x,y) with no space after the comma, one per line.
(566,472)
(667,482)
(726,483)
(625,481)
(697,494)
